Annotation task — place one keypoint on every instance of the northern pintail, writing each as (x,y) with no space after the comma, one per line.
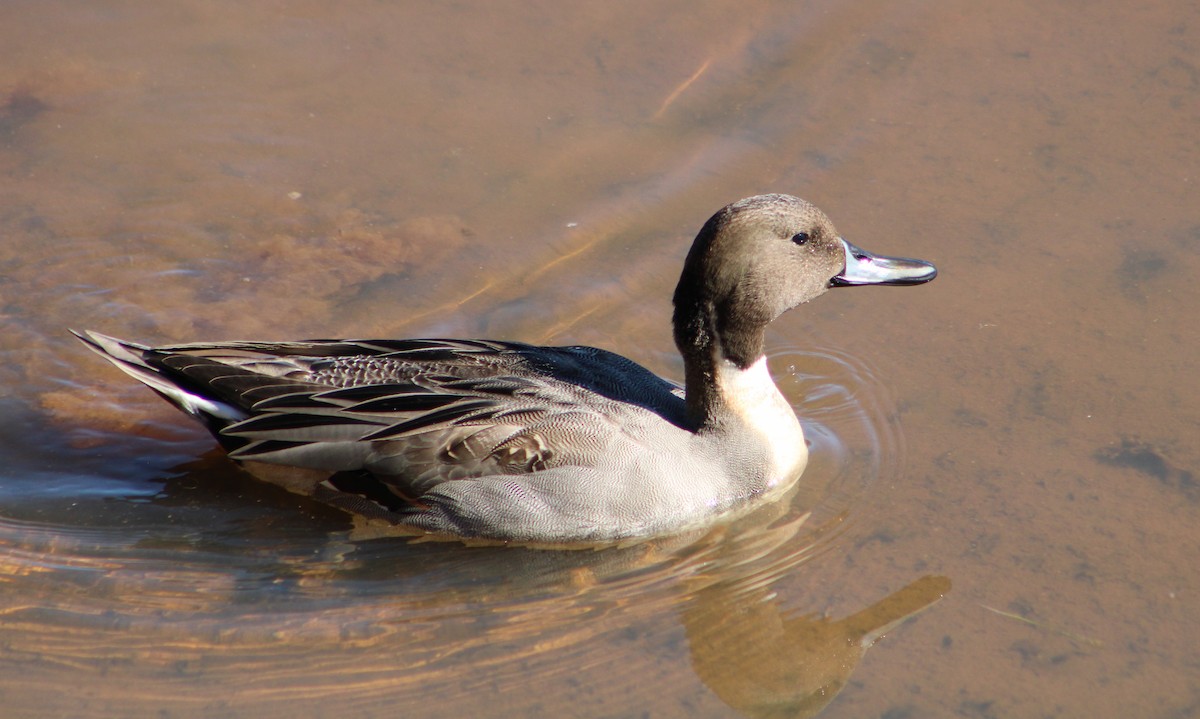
(506,441)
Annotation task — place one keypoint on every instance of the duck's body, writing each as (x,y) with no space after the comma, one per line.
(546,445)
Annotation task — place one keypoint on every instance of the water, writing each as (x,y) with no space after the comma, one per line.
(1022,429)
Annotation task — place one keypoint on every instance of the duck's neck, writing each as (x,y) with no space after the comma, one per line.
(721,391)
(721,359)
(743,404)
(730,391)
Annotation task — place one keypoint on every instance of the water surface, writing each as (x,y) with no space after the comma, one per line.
(1023,428)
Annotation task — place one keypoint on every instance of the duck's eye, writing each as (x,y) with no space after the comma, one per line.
(800,238)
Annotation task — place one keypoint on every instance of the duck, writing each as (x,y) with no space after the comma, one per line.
(506,442)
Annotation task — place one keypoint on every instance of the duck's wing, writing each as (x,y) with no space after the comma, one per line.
(411,413)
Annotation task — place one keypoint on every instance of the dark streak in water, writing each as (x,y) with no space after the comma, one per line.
(1149,460)
(21,108)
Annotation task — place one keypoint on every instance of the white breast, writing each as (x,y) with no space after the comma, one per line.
(751,394)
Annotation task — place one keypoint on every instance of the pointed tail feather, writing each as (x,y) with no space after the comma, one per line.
(129,357)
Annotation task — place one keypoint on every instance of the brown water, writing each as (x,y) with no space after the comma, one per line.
(1019,436)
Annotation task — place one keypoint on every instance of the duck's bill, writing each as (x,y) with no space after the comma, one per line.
(864,268)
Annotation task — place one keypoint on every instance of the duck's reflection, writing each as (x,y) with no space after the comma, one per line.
(768,665)
(761,661)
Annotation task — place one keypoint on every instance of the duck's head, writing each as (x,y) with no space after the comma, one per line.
(759,257)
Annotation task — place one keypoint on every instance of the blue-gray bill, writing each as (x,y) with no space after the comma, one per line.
(865,268)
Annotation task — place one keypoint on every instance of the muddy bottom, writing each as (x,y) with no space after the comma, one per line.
(1005,481)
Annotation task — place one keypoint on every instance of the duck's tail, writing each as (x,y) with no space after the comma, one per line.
(132,359)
